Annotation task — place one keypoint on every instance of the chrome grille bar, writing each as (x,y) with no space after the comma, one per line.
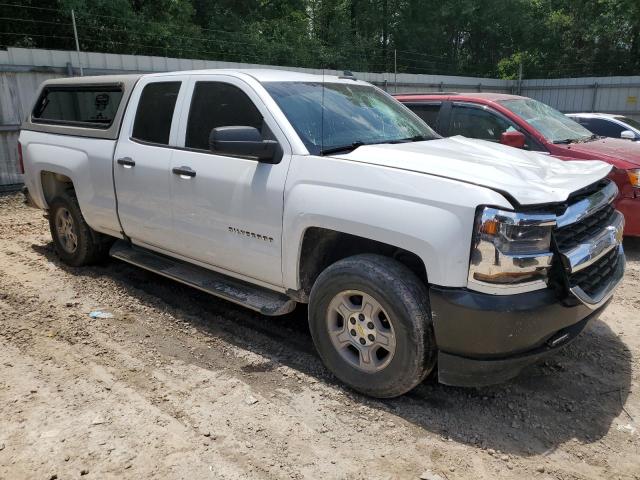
(587,253)
(588,206)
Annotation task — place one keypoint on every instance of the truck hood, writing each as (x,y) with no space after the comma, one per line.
(609,149)
(530,178)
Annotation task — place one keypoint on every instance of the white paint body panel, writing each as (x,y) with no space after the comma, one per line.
(421,196)
(86,161)
(144,191)
(230,193)
(528,177)
(429,216)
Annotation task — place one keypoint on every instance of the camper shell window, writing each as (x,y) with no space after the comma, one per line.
(89,106)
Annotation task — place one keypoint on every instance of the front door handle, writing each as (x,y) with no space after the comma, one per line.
(184,172)
(126,162)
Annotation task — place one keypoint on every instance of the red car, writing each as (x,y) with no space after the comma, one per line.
(522,122)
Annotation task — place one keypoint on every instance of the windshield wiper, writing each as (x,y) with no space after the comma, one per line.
(342,148)
(351,147)
(592,138)
(416,138)
(577,140)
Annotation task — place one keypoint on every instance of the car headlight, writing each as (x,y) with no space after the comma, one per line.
(511,251)
(634,177)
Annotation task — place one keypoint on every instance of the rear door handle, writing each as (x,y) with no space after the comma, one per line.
(126,162)
(184,172)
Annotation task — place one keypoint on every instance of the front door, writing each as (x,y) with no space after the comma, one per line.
(227,211)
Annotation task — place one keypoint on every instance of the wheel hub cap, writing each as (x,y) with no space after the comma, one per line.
(361,331)
(65,229)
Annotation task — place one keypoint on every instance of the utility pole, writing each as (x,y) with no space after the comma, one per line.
(395,70)
(75,34)
(520,79)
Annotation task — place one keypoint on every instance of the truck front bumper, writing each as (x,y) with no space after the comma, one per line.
(487,339)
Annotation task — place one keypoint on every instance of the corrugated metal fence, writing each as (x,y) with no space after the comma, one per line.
(17,90)
(618,95)
(22,70)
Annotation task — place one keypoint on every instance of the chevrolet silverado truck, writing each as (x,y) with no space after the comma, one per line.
(414,253)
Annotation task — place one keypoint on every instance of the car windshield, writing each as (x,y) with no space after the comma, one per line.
(553,125)
(630,121)
(337,117)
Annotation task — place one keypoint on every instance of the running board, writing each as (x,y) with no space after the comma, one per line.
(260,299)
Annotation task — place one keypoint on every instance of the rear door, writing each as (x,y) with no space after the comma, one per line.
(142,161)
(228,213)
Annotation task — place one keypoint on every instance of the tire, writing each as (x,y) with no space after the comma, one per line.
(75,242)
(394,367)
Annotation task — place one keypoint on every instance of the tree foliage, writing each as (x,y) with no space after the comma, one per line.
(463,37)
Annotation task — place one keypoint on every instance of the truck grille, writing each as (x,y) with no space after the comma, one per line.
(576,233)
(588,243)
(593,277)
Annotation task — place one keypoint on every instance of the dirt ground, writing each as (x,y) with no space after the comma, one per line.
(179,384)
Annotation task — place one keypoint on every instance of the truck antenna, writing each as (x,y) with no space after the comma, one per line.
(322,115)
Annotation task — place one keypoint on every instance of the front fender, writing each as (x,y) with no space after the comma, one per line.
(437,227)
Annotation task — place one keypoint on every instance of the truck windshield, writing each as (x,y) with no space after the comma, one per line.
(341,117)
(555,126)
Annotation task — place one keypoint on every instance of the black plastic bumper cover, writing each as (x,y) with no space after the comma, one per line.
(486,339)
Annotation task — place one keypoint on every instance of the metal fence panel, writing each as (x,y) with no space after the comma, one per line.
(23,69)
(618,95)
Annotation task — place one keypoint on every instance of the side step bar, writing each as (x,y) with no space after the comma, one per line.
(260,299)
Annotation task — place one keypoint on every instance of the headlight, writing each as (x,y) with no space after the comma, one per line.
(634,177)
(511,251)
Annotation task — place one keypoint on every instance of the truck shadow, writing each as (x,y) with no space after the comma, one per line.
(632,248)
(575,394)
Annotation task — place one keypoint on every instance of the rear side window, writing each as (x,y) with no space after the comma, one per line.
(427,112)
(155,112)
(87,106)
(217,104)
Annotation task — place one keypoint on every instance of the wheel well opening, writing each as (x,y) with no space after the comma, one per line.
(322,247)
(53,184)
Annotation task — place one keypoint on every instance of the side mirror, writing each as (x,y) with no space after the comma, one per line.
(513,138)
(240,141)
(627,135)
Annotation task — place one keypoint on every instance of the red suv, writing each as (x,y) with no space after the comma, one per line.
(522,122)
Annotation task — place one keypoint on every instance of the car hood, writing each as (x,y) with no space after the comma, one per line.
(613,148)
(530,178)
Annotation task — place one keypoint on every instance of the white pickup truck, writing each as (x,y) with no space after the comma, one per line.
(269,188)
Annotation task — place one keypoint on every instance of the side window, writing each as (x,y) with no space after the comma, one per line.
(155,112)
(86,105)
(427,112)
(218,104)
(605,128)
(475,122)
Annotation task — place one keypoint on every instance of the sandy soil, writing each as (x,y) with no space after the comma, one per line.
(182,385)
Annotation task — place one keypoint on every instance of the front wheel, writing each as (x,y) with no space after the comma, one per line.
(370,321)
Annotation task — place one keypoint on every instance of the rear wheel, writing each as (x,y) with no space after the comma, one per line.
(75,242)
(370,320)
